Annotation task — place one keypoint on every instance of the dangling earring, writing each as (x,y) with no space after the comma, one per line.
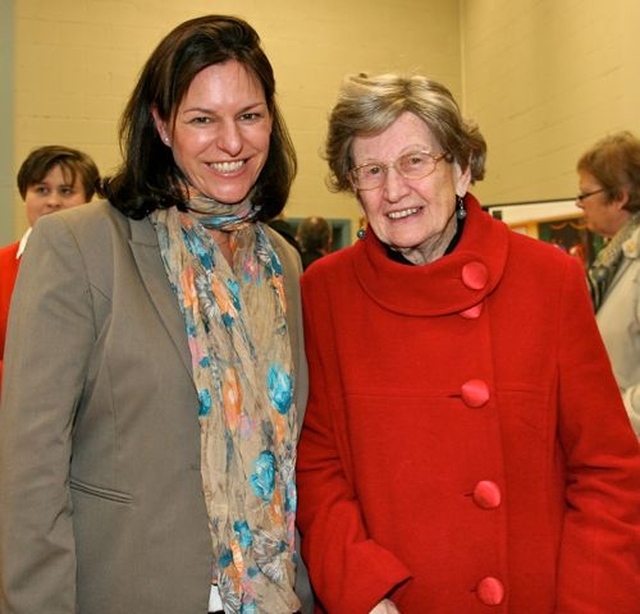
(461,212)
(362,231)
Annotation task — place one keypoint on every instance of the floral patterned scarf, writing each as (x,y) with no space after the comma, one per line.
(243,372)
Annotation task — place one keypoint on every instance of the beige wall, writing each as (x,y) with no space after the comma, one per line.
(543,78)
(76,62)
(6,122)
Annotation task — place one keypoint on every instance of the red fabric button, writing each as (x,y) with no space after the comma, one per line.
(487,495)
(490,591)
(472,312)
(475,393)
(475,275)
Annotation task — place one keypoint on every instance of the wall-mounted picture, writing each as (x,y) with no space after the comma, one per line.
(558,222)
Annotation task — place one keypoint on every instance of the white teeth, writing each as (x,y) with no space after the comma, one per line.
(396,215)
(227,167)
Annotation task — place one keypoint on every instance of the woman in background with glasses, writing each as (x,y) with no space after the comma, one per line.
(464,444)
(609,179)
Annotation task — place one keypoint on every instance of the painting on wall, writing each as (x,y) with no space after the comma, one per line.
(558,222)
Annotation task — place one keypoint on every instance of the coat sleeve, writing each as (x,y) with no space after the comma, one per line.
(631,397)
(51,332)
(349,571)
(599,566)
(631,394)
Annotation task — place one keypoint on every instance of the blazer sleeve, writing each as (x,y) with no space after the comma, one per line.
(350,572)
(48,345)
(599,566)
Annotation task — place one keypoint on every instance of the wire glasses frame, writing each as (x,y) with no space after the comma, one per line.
(412,165)
(582,196)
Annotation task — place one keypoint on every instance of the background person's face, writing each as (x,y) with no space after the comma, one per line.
(53,193)
(221,133)
(601,215)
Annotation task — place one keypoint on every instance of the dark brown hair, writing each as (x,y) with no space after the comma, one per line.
(149,178)
(73,163)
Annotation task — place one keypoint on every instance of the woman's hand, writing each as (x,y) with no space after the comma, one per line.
(385,607)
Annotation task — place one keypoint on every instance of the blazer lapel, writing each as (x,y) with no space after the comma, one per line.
(146,252)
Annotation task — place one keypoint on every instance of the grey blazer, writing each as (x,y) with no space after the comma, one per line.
(101,505)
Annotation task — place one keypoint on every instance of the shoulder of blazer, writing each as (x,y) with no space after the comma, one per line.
(97,233)
(94,222)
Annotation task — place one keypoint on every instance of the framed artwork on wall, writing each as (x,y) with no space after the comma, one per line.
(558,222)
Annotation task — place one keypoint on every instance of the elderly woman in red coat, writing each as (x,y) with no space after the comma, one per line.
(465,447)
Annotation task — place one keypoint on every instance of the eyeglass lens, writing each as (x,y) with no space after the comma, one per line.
(413,165)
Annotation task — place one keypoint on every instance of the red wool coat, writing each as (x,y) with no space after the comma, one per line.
(8,272)
(465,448)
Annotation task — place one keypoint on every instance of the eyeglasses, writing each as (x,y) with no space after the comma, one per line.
(581,197)
(412,165)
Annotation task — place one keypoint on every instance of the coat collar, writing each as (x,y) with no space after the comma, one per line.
(455,283)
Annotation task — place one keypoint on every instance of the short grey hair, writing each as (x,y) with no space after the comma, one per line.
(368,105)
